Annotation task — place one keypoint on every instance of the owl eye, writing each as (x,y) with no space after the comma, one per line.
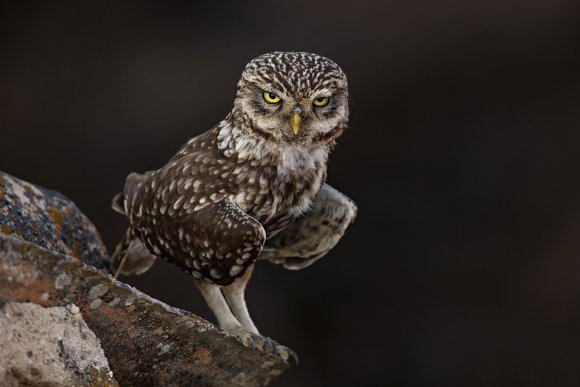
(271,97)
(322,101)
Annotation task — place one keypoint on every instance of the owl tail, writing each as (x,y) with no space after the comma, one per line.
(132,186)
(131,256)
(118,203)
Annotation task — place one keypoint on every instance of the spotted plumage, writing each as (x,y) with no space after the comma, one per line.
(242,186)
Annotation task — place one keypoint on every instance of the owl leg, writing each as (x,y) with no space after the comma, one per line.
(248,334)
(234,295)
(227,321)
(218,305)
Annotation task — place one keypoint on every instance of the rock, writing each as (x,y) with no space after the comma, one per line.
(49,347)
(50,220)
(145,341)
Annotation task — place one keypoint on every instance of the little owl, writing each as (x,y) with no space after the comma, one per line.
(253,187)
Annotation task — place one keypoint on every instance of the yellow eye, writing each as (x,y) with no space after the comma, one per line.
(322,101)
(271,97)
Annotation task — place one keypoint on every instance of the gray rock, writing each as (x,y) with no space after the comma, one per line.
(147,342)
(49,347)
(50,220)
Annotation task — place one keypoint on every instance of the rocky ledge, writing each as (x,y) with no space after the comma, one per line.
(47,286)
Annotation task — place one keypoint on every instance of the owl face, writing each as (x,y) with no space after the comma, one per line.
(294,97)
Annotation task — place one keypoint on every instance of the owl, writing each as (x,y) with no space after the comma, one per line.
(251,188)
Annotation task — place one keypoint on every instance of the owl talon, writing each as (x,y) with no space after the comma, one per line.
(266,344)
(260,343)
(246,339)
(270,345)
(281,351)
(286,354)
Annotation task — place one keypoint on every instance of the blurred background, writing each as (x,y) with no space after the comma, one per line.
(463,267)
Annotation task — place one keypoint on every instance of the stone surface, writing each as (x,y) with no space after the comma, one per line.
(145,341)
(49,347)
(49,219)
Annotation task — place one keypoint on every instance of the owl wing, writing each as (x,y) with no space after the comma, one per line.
(217,242)
(309,237)
(183,213)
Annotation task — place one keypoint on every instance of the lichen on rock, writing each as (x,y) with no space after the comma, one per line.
(49,219)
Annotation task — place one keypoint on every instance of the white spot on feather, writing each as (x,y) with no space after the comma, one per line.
(235,270)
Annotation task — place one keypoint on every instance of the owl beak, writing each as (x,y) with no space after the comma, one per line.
(296,121)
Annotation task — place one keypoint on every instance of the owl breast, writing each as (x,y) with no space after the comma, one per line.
(277,194)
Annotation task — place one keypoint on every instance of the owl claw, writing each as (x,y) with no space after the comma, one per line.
(286,354)
(266,344)
(246,339)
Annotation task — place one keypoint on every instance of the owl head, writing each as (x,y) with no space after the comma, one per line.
(293,98)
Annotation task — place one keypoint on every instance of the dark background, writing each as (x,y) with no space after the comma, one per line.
(463,267)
